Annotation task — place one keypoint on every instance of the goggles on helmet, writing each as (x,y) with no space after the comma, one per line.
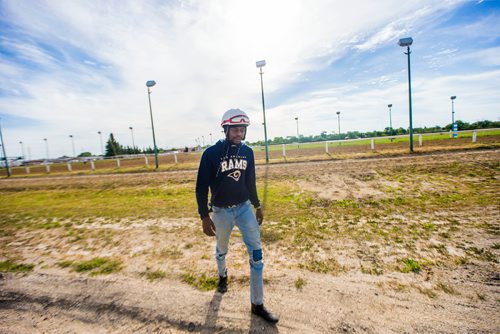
(237,120)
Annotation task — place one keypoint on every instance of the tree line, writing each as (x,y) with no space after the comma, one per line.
(324,136)
(113,148)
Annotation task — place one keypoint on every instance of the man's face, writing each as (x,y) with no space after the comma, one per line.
(236,134)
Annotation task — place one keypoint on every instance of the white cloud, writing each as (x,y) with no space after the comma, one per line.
(202,55)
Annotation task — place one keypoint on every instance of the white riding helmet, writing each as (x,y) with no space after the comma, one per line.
(235,117)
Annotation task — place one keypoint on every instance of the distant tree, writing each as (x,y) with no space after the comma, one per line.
(113,148)
(85,154)
(485,124)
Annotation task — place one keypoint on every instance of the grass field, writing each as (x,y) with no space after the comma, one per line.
(382,140)
(294,153)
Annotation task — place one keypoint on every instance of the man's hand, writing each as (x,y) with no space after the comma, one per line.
(208,226)
(259,215)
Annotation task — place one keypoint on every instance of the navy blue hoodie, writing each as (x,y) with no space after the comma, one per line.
(229,171)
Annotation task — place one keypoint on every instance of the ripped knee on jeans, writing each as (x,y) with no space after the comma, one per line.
(256,261)
(257,255)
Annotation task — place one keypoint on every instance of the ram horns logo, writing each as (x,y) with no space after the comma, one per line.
(235,175)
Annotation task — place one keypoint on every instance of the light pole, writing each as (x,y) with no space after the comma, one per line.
(22,150)
(298,140)
(407,42)
(72,144)
(4,154)
(150,84)
(132,133)
(390,120)
(203,141)
(46,148)
(260,64)
(338,119)
(211,143)
(453,125)
(100,137)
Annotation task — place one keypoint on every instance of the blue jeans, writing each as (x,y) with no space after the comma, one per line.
(242,216)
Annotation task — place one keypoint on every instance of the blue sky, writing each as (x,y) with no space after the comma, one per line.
(78,67)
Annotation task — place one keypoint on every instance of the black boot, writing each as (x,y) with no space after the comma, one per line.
(262,312)
(222,287)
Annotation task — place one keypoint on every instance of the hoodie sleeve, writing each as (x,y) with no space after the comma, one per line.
(251,181)
(202,185)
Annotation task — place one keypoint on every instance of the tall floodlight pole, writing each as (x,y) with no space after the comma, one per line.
(102,146)
(453,126)
(22,150)
(338,120)
(407,42)
(203,140)
(298,140)
(390,119)
(4,154)
(260,64)
(211,143)
(46,148)
(150,84)
(72,144)
(132,133)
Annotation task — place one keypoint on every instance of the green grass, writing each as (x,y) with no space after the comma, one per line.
(327,266)
(98,266)
(374,268)
(64,264)
(171,253)
(482,254)
(13,267)
(112,203)
(299,283)
(410,265)
(378,140)
(200,280)
(154,275)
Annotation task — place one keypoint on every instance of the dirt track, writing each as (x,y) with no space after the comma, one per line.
(53,300)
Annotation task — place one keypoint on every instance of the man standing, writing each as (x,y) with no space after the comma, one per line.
(228,169)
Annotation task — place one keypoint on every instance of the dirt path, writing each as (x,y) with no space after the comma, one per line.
(419,158)
(57,303)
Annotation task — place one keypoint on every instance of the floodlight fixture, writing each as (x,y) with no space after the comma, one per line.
(390,119)
(338,115)
(22,150)
(132,133)
(150,84)
(72,144)
(405,41)
(100,137)
(260,64)
(46,148)
(454,126)
(298,138)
